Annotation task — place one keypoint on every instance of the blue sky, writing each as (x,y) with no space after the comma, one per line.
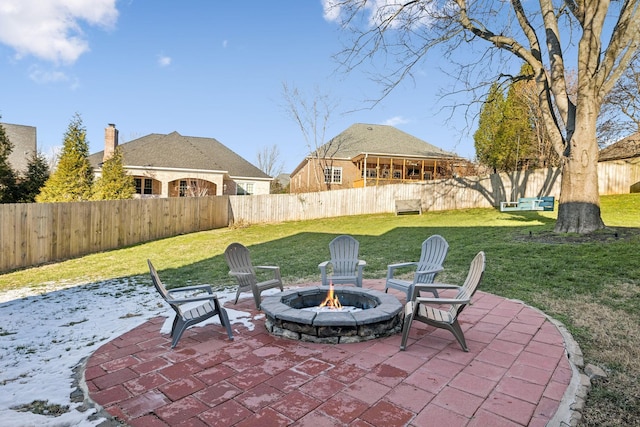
(201,68)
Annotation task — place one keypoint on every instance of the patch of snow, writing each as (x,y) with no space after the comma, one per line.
(45,332)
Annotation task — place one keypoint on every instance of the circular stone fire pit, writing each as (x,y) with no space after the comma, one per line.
(380,315)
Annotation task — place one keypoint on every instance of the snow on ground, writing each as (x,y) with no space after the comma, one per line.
(46,332)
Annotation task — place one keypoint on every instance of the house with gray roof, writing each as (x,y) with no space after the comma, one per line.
(24,143)
(174,165)
(365,155)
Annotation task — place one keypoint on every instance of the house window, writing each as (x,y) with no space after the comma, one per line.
(184,188)
(333,175)
(397,174)
(143,185)
(245,188)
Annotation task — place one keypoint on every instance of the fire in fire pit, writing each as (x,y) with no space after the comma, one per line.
(294,314)
(331,301)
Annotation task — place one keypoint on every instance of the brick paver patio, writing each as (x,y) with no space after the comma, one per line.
(515,374)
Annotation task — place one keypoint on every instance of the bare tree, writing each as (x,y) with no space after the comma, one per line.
(530,32)
(269,161)
(620,115)
(312,115)
(192,187)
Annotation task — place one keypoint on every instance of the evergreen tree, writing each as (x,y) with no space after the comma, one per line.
(73,178)
(7,174)
(36,176)
(508,129)
(488,151)
(516,136)
(114,183)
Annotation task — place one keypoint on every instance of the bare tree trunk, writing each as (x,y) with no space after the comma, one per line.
(579,209)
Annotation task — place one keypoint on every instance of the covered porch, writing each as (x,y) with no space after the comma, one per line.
(382,170)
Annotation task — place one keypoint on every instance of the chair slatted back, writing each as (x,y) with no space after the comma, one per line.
(474,277)
(344,255)
(162,290)
(434,251)
(239,261)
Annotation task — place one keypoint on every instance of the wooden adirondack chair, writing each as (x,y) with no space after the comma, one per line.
(240,266)
(434,251)
(430,311)
(344,262)
(190,316)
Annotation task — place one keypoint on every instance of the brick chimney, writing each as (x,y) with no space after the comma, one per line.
(110,141)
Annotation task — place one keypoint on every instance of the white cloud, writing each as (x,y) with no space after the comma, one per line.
(39,75)
(51,29)
(164,61)
(379,11)
(394,121)
(225,43)
(44,76)
(331,10)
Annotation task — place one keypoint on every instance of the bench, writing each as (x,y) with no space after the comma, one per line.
(409,206)
(529,204)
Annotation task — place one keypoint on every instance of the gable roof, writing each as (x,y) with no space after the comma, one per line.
(363,138)
(24,143)
(176,151)
(626,148)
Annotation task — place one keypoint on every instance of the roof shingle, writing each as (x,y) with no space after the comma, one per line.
(183,152)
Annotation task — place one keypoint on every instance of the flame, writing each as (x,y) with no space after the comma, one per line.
(331,301)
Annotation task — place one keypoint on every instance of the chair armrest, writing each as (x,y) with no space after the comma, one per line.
(430,286)
(207,297)
(400,265)
(431,270)
(391,268)
(361,265)
(273,268)
(239,273)
(191,288)
(323,264)
(443,300)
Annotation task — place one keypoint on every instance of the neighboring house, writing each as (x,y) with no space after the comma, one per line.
(627,150)
(24,145)
(365,155)
(179,166)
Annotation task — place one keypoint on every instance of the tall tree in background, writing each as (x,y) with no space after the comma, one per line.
(269,163)
(312,115)
(488,151)
(34,179)
(511,134)
(114,183)
(7,174)
(516,134)
(621,108)
(269,160)
(73,178)
(527,32)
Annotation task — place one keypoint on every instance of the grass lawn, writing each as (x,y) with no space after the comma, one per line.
(591,283)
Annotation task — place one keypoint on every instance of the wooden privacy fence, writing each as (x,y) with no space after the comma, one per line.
(437,195)
(32,234)
(36,233)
